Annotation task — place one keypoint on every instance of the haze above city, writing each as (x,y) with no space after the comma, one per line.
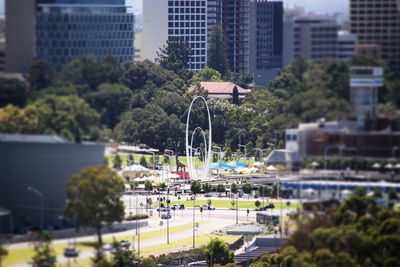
(315,6)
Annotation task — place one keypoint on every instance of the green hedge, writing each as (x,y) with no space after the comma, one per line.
(137,217)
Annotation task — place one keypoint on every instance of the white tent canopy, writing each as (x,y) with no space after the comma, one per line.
(136,167)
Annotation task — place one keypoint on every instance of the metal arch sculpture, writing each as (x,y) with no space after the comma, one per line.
(191,149)
(207,150)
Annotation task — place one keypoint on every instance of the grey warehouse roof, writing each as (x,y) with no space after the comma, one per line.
(32,138)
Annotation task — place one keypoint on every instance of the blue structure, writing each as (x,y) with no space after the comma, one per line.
(69,29)
(44,163)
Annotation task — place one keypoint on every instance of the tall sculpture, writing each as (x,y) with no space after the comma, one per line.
(207,146)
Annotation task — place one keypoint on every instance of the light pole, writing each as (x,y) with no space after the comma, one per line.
(168,212)
(194,220)
(154,159)
(169,157)
(219,154)
(38,193)
(237,210)
(245,151)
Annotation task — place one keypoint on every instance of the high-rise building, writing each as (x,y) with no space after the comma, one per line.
(163,20)
(59,31)
(364,84)
(315,37)
(378,22)
(235,23)
(265,40)
(347,45)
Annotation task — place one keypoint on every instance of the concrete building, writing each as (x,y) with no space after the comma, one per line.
(315,37)
(378,22)
(265,40)
(59,31)
(44,163)
(347,46)
(20,35)
(164,20)
(288,33)
(364,84)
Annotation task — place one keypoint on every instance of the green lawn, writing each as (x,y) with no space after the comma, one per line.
(21,255)
(241,204)
(178,245)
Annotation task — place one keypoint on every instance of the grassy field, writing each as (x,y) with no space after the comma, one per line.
(241,204)
(178,245)
(21,255)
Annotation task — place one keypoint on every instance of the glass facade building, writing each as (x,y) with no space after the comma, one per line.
(69,29)
(188,20)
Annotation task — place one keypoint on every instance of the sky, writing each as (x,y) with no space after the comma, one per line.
(315,6)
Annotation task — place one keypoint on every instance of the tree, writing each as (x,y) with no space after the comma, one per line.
(12,91)
(175,56)
(392,195)
(18,121)
(143,161)
(218,252)
(207,187)
(3,253)
(257,204)
(216,53)
(44,254)
(93,198)
(117,163)
(110,101)
(247,188)
(40,75)
(234,188)
(195,187)
(233,202)
(235,96)
(148,262)
(209,201)
(122,257)
(221,188)
(206,75)
(72,113)
(148,186)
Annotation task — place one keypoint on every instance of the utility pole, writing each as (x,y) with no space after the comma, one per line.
(194,220)
(168,213)
(237,210)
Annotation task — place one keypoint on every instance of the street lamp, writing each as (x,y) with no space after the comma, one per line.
(220,150)
(194,219)
(169,157)
(326,153)
(154,159)
(38,193)
(245,151)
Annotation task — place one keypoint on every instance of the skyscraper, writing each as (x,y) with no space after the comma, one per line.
(265,40)
(59,31)
(378,22)
(163,20)
(315,37)
(235,21)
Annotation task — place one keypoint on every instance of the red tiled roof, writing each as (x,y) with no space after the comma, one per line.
(221,88)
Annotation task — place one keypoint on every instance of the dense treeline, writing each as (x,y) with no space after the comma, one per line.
(144,102)
(360,232)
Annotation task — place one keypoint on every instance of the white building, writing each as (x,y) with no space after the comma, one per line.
(347,45)
(163,20)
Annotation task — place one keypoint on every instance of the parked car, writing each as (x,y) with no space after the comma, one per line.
(163,209)
(71,252)
(270,206)
(108,247)
(207,207)
(166,215)
(178,207)
(125,243)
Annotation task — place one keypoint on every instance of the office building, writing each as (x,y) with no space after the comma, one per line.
(315,37)
(59,31)
(346,46)
(265,40)
(364,84)
(235,21)
(165,20)
(378,22)
(44,163)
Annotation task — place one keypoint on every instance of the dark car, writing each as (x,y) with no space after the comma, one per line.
(71,252)
(166,215)
(178,207)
